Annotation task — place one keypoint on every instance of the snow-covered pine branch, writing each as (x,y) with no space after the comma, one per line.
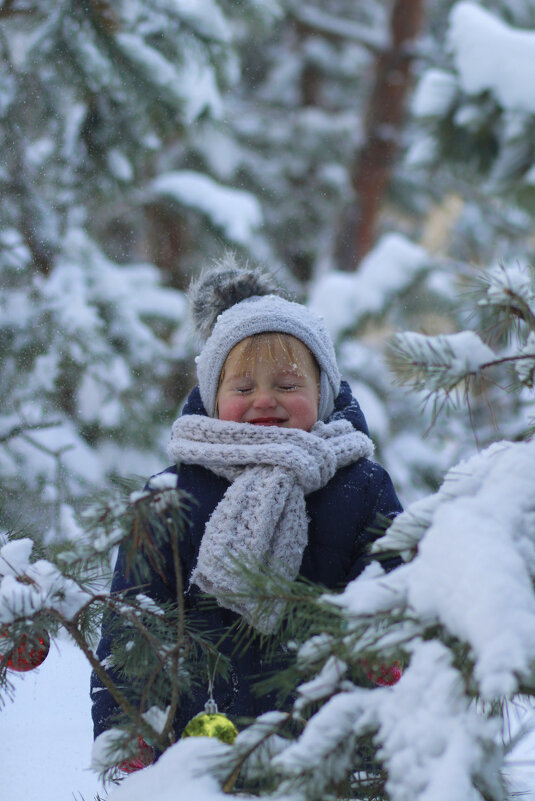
(160,652)
(340,28)
(510,289)
(525,365)
(462,613)
(442,366)
(439,364)
(92,334)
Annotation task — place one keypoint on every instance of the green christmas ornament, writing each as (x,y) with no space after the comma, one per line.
(211,723)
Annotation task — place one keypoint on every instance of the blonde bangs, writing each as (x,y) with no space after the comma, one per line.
(272,347)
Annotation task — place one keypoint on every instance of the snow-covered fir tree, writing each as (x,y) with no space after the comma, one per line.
(467,213)
(90,332)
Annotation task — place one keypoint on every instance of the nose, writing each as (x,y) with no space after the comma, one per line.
(264,399)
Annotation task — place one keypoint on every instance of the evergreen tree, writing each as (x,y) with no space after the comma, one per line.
(293,125)
(453,194)
(89,332)
(157,654)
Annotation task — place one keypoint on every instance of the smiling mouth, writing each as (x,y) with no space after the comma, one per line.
(268,421)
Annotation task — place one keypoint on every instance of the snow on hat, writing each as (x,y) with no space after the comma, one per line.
(230,303)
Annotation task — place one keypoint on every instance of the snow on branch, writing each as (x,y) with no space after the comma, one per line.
(192,85)
(473,570)
(11,431)
(327,25)
(525,365)
(237,212)
(408,528)
(329,740)
(421,725)
(511,290)
(462,613)
(439,364)
(475,36)
(28,587)
(345,300)
(189,770)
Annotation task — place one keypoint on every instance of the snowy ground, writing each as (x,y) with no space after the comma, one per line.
(46,733)
(46,736)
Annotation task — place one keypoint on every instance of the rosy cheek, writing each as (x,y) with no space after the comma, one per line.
(306,410)
(232,409)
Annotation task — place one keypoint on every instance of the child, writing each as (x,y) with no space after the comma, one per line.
(275,451)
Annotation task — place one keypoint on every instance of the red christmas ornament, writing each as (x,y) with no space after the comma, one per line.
(143,757)
(28,653)
(383,675)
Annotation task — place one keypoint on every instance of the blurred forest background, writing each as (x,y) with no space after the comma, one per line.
(348,147)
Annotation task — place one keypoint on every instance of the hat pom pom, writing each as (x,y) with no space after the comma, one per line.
(221,287)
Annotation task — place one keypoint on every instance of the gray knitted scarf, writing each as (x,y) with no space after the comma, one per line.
(261,519)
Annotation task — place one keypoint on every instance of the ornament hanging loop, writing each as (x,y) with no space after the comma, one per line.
(210,706)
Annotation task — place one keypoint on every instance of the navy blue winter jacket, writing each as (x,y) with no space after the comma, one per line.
(342,516)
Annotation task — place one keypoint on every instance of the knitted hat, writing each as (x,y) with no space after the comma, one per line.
(231,303)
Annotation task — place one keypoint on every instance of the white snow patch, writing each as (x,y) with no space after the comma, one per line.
(466,352)
(163,481)
(206,16)
(191,84)
(44,587)
(342,299)
(432,743)
(46,733)
(15,556)
(434,94)
(181,774)
(66,527)
(474,569)
(237,212)
(120,166)
(322,685)
(491,55)
(373,408)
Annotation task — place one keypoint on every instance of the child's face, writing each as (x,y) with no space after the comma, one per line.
(280,391)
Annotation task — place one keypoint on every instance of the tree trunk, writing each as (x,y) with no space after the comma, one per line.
(385,117)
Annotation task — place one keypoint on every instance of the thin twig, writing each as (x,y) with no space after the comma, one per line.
(150,734)
(231,779)
(180,631)
(16,431)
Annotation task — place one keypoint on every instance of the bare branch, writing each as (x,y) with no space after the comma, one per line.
(23,428)
(9,9)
